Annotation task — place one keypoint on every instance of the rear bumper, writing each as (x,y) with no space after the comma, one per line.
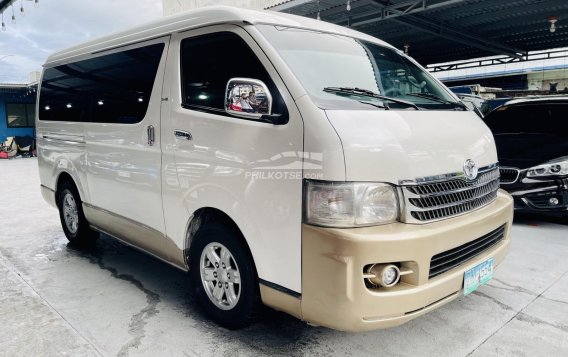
(335,295)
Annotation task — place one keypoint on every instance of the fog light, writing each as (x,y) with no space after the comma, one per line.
(553,201)
(386,275)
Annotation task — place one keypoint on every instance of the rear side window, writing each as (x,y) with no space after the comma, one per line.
(207,64)
(544,118)
(113,88)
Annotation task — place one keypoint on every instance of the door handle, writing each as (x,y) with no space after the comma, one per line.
(150,131)
(181,134)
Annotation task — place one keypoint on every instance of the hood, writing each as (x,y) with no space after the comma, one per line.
(389,146)
(527,150)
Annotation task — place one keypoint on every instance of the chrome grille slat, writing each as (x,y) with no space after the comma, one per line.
(509,175)
(457,200)
(426,202)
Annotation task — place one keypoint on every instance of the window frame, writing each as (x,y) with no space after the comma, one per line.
(252,45)
(26,104)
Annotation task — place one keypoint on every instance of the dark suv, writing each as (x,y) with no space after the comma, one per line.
(532,144)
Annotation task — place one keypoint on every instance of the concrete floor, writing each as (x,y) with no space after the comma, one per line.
(113,300)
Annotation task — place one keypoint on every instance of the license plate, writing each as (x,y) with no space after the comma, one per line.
(477,276)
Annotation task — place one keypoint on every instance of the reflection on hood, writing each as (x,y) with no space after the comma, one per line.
(524,150)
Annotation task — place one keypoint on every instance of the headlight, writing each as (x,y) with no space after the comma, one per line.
(558,167)
(351,204)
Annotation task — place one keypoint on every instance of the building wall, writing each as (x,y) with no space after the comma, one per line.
(541,80)
(4,130)
(174,6)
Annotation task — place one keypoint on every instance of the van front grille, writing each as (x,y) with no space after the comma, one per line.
(429,202)
(509,175)
(450,259)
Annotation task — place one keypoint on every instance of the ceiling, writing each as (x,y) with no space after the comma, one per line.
(448,30)
(4,4)
(443,30)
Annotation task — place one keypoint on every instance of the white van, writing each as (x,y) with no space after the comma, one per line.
(278,159)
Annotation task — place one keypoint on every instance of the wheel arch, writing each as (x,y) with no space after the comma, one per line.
(63,177)
(211,215)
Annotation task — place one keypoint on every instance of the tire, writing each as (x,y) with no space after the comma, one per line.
(73,221)
(239,302)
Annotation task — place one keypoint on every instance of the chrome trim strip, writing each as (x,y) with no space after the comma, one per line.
(445,177)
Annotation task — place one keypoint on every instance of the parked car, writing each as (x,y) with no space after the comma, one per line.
(531,135)
(354,192)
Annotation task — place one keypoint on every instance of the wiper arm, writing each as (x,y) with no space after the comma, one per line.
(437,99)
(385,106)
(367,93)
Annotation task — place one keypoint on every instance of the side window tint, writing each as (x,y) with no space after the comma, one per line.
(207,64)
(113,88)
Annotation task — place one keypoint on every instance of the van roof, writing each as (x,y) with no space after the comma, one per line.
(206,16)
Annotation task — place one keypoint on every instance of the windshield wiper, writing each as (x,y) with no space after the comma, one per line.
(385,106)
(367,93)
(437,99)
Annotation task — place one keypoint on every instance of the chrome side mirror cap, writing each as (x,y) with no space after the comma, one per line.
(248,98)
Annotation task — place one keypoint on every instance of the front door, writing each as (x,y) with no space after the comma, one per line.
(249,169)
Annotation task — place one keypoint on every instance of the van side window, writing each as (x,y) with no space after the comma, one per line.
(113,88)
(207,64)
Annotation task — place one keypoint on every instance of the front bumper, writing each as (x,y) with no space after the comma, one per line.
(534,195)
(335,295)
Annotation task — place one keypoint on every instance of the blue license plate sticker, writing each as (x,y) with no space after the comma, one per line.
(477,276)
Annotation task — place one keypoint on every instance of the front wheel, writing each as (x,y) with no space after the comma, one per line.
(73,221)
(223,276)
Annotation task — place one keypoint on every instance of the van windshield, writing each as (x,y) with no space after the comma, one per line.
(322,60)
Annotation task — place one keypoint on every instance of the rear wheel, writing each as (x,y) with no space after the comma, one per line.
(223,276)
(73,221)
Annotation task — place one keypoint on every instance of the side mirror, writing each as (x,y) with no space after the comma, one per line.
(248,98)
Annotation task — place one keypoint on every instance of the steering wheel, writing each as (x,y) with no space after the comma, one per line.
(414,83)
(392,91)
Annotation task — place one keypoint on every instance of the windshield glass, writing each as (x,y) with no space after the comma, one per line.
(321,60)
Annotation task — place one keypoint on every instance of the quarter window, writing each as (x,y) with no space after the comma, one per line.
(207,64)
(112,88)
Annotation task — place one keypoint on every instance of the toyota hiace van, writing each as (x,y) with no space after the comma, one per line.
(279,160)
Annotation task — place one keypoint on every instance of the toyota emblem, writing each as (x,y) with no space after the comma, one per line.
(470,169)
